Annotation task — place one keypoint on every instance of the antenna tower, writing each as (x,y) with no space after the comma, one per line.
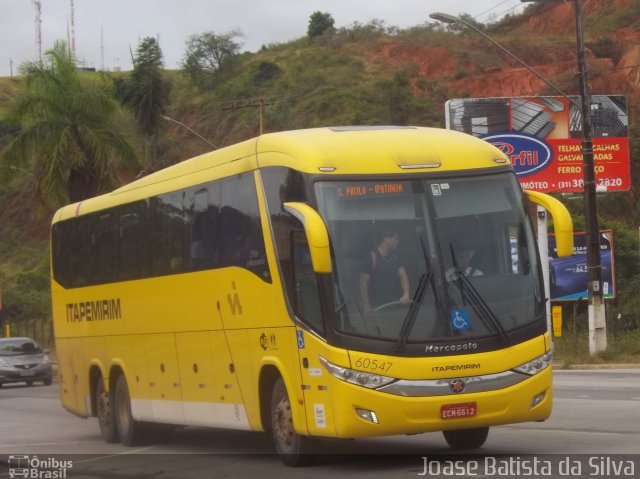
(101,49)
(38,22)
(73,31)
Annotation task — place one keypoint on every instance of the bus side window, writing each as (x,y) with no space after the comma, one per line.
(241,237)
(103,240)
(167,227)
(305,294)
(204,225)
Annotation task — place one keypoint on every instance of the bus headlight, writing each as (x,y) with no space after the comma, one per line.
(536,365)
(360,378)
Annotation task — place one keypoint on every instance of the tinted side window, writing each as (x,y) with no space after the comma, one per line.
(212,225)
(203,227)
(133,253)
(166,233)
(103,245)
(241,239)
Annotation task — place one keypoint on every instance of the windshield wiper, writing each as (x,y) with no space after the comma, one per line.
(479,305)
(416,303)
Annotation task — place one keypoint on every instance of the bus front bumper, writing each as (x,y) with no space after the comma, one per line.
(362,412)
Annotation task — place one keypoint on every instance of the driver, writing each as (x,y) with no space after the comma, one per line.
(382,278)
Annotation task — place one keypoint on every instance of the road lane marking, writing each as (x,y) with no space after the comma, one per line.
(135,451)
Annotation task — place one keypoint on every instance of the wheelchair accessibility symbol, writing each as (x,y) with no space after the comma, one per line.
(460,319)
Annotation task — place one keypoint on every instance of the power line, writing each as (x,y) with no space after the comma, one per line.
(508,10)
(500,14)
(168,118)
(492,8)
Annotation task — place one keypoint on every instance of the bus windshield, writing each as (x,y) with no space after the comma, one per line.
(427,260)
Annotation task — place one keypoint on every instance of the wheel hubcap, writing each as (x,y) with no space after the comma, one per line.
(104,411)
(284,424)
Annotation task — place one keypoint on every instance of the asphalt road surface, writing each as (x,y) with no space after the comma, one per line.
(596,418)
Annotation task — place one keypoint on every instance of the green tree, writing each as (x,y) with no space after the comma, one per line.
(146,93)
(68,135)
(395,95)
(209,55)
(319,23)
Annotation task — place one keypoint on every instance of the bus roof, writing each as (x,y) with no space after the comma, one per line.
(358,150)
(377,149)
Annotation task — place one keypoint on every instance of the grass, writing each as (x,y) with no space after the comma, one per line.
(621,349)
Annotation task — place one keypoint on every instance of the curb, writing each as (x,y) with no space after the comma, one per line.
(596,366)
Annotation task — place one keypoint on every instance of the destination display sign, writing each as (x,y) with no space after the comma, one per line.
(542,138)
(368,189)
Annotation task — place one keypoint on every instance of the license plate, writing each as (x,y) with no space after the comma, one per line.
(27,373)
(453,411)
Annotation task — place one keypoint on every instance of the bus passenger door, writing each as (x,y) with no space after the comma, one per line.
(164,378)
(305,299)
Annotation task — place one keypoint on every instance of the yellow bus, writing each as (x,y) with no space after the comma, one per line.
(244,289)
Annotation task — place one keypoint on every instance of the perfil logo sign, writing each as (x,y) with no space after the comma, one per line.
(528,154)
(35,468)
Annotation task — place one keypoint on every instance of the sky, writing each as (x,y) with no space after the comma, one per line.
(123,23)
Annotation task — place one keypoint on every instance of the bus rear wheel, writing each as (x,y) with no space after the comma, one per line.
(130,431)
(104,411)
(292,447)
(466,438)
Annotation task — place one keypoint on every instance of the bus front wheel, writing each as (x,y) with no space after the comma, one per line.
(466,438)
(104,411)
(292,447)
(130,431)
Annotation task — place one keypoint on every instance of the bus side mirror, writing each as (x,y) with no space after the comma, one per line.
(562,223)
(317,235)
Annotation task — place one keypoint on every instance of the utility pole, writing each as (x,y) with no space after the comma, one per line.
(597,317)
(11,65)
(597,313)
(259,103)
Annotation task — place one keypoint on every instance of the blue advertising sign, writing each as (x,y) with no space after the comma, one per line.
(529,154)
(568,276)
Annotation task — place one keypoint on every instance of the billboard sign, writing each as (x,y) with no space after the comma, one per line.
(568,276)
(542,137)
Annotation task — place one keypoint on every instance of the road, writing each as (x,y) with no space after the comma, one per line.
(595,414)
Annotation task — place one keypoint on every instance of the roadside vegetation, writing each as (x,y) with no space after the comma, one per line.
(66,135)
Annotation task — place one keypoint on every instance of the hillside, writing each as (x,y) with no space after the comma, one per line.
(544,37)
(372,74)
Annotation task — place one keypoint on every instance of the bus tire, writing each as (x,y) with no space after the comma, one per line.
(130,431)
(293,448)
(105,413)
(466,438)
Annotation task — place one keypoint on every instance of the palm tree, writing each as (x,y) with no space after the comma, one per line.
(146,94)
(68,134)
